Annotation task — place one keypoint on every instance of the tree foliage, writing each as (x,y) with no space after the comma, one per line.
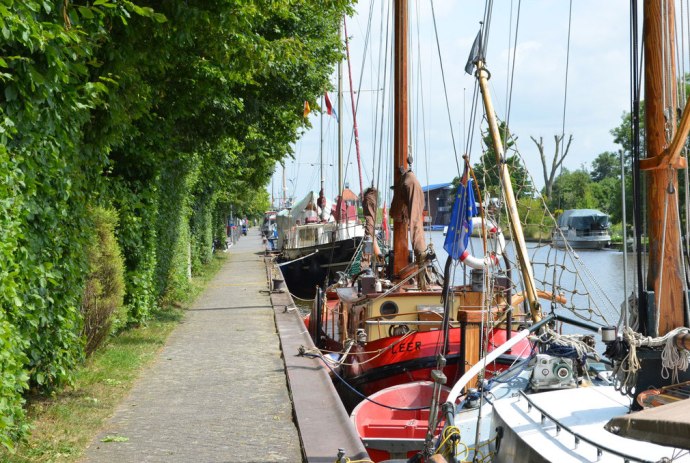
(487,173)
(573,190)
(606,165)
(166,113)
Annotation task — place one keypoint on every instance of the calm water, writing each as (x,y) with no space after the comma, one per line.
(599,273)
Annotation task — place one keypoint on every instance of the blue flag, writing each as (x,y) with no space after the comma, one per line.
(460,226)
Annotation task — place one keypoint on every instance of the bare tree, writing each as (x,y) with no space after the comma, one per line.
(556,161)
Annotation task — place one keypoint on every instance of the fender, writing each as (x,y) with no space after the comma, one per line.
(490,260)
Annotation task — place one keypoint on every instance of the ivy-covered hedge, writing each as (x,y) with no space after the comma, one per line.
(169,113)
(13,358)
(137,206)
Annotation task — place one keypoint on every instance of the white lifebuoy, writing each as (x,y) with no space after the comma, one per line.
(490,260)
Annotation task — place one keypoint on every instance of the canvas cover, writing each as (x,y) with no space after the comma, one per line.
(408,207)
(664,425)
(369,206)
(287,218)
(584,219)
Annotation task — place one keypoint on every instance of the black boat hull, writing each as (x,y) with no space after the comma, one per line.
(317,266)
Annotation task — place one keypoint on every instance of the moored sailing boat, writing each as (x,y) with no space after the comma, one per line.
(313,246)
(317,242)
(564,407)
(394,324)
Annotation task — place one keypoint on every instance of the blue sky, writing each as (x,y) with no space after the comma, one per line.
(597,90)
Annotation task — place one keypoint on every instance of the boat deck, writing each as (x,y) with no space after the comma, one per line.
(568,426)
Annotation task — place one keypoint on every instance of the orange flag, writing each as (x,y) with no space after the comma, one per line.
(307,109)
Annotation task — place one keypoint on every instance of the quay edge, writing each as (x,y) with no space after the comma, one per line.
(322,422)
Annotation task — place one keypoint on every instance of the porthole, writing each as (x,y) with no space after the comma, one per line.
(389,309)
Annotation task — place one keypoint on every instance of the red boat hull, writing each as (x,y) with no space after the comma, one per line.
(398,360)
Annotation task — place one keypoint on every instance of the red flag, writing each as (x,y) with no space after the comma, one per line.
(384,224)
(329,107)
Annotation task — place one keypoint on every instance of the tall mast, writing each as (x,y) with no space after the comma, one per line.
(321,148)
(515,224)
(354,111)
(664,276)
(400,241)
(340,124)
(284,188)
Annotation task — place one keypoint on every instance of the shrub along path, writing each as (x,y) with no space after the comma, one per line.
(217,392)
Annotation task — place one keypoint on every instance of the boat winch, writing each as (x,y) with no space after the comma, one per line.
(552,373)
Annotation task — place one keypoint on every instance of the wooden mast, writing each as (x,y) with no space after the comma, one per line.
(340,124)
(400,240)
(515,224)
(665,265)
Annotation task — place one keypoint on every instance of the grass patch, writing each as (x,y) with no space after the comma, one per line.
(64,423)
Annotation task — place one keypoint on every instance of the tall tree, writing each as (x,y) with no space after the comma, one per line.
(606,165)
(573,190)
(486,169)
(556,160)
(622,135)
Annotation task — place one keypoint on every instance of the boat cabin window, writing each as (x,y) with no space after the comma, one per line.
(389,309)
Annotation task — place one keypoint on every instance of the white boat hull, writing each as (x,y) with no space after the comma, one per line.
(577,435)
(581,242)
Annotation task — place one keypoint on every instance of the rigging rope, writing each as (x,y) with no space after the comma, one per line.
(445,89)
(419,114)
(565,90)
(635,70)
(686,174)
(512,73)
(383,105)
(624,309)
(356,392)
(486,26)
(674,359)
(354,108)
(380,83)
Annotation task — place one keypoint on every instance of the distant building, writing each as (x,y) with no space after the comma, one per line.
(438,204)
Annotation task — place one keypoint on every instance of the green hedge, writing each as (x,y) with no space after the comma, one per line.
(168,116)
(13,359)
(137,206)
(201,228)
(173,243)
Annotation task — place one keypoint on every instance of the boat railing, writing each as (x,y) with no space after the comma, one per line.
(601,449)
(394,319)
(313,234)
(310,235)
(349,229)
(413,321)
(586,232)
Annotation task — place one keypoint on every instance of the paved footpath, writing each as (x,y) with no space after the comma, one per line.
(217,391)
